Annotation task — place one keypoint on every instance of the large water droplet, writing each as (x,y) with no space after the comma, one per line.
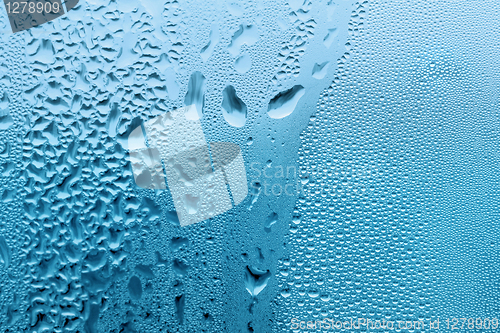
(284,103)
(233,108)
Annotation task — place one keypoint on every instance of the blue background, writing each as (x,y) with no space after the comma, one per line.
(395,144)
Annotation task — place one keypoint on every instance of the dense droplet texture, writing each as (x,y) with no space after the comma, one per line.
(399,217)
(370,136)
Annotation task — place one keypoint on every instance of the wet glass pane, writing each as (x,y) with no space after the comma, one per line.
(249,166)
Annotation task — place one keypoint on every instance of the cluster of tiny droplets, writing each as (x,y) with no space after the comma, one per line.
(399,220)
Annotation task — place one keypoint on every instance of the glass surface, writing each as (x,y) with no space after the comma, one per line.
(250,166)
